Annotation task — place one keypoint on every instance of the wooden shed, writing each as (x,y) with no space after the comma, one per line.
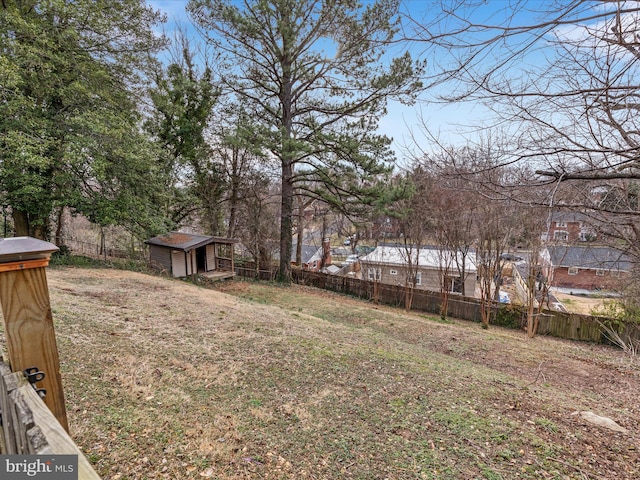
(185,254)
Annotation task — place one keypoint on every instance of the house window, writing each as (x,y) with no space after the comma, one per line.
(393,272)
(587,236)
(573,270)
(561,224)
(600,273)
(615,273)
(374,274)
(453,284)
(561,236)
(419,278)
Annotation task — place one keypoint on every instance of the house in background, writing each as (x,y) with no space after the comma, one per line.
(570,227)
(388,264)
(185,254)
(585,267)
(314,258)
(385,227)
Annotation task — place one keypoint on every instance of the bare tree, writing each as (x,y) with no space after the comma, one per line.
(562,79)
(414,230)
(473,210)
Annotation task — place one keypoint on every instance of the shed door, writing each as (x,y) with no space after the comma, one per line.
(178,264)
(192,266)
(211,257)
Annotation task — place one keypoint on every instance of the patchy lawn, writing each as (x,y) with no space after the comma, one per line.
(165,379)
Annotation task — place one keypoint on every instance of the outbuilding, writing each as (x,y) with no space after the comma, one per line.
(185,254)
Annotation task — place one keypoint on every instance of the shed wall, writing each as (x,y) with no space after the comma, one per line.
(160,257)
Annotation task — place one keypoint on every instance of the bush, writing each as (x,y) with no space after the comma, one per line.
(509,316)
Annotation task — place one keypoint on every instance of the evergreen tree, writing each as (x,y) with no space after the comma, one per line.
(313,74)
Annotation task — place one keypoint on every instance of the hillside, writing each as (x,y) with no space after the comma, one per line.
(165,379)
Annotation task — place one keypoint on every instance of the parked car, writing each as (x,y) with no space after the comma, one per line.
(510,257)
(347,242)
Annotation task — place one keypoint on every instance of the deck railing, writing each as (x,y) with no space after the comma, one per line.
(29,427)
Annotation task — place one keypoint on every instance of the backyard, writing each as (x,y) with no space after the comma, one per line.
(167,379)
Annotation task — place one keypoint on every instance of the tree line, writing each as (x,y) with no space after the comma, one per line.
(282,109)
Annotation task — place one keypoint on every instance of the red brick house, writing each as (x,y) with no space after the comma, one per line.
(585,267)
(314,258)
(570,227)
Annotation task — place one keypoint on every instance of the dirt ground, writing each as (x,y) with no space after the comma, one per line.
(166,379)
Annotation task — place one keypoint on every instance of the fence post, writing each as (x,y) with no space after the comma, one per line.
(27,319)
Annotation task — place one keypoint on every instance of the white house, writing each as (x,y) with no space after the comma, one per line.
(432,266)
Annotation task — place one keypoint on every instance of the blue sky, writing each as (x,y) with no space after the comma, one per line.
(403,123)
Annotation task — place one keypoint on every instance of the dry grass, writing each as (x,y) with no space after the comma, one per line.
(165,379)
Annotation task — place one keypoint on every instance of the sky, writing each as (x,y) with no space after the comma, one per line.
(402,123)
(452,123)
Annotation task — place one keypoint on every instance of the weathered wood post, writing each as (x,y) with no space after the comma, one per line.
(27,319)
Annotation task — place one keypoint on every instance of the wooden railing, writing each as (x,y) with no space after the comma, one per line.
(29,427)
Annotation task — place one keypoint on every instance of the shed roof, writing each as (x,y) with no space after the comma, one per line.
(589,257)
(185,241)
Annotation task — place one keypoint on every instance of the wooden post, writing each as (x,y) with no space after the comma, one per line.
(27,319)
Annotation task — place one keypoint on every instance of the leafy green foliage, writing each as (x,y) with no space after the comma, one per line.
(183,99)
(69,132)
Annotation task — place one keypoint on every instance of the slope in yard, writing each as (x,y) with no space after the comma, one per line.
(165,379)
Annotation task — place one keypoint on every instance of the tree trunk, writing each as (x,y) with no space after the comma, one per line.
(233,197)
(286,215)
(300,234)
(408,297)
(59,227)
(20,223)
(287,159)
(25,227)
(444,307)
(531,320)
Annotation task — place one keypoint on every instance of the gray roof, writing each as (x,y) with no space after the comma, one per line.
(185,241)
(589,257)
(308,252)
(425,257)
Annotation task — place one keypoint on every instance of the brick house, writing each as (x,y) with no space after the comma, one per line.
(314,258)
(585,267)
(388,264)
(570,227)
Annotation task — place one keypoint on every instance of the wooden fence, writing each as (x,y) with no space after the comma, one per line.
(94,250)
(248,270)
(570,326)
(29,427)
